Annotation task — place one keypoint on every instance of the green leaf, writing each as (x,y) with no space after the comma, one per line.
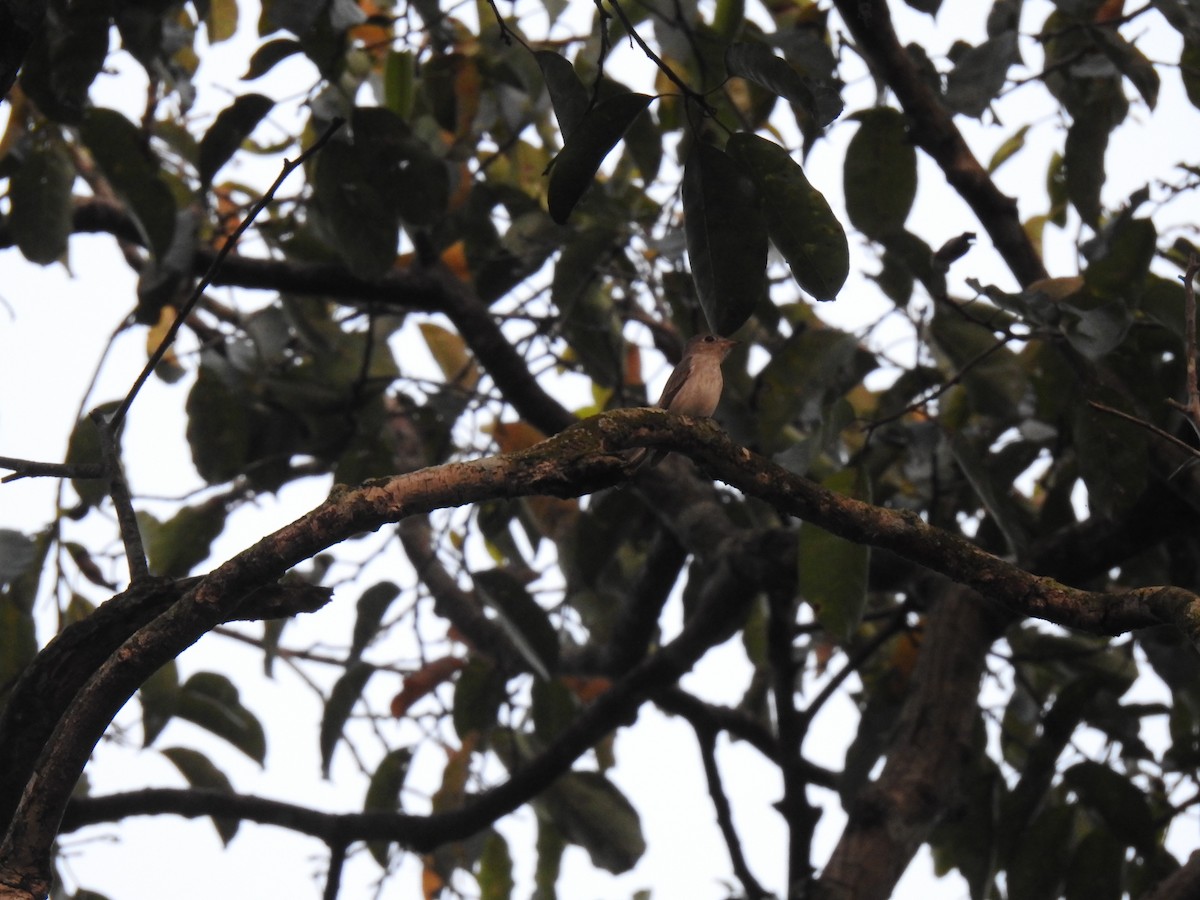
(1189,67)
(980,471)
(123,154)
(17,554)
(40,194)
(591,812)
(383,793)
(526,623)
(176,546)
(400,82)
(227,133)
(1083,159)
(412,181)
(550,847)
(478,694)
(66,57)
(200,772)
(211,701)
(799,220)
(832,571)
(495,869)
(346,692)
(1131,61)
(1119,259)
(726,234)
(980,73)
(1112,455)
(554,708)
(568,96)
(83,448)
(219,427)
(372,605)
(880,173)
(1096,870)
(159,696)
(1117,800)
(269,55)
(591,140)
(361,224)
(1008,149)
(757,63)
(1032,873)
(18,642)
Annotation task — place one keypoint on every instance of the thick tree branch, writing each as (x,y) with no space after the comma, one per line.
(934,131)
(580,460)
(894,815)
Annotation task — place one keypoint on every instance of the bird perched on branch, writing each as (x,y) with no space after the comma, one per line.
(694,388)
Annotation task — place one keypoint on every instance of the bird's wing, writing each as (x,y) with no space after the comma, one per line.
(678,377)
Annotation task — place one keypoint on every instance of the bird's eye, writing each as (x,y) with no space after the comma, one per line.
(708,339)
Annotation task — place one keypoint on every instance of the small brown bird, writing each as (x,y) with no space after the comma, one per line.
(694,388)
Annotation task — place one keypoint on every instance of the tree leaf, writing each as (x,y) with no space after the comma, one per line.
(1008,149)
(478,694)
(526,623)
(159,696)
(123,154)
(799,220)
(346,692)
(200,772)
(383,793)
(495,869)
(362,225)
(726,233)
(880,173)
(372,605)
(756,62)
(176,546)
(1083,160)
(832,573)
(1120,803)
(226,134)
(17,554)
(980,73)
(211,701)
(42,211)
(269,55)
(589,811)
(568,96)
(592,139)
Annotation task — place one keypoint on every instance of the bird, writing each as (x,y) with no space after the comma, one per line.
(693,389)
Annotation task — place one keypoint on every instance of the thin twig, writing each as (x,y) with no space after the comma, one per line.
(1154,429)
(716,789)
(1192,409)
(30,468)
(662,66)
(118,491)
(289,166)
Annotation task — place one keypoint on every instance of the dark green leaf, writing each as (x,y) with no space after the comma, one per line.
(211,701)
(40,194)
(526,623)
(362,225)
(880,174)
(372,606)
(980,471)
(478,694)
(495,869)
(590,811)
(799,220)
(550,847)
(832,573)
(346,692)
(1119,259)
(592,139)
(18,641)
(1131,61)
(123,154)
(200,772)
(219,428)
(1083,158)
(1032,873)
(756,62)
(1096,868)
(568,96)
(159,696)
(554,708)
(1189,67)
(66,56)
(411,180)
(232,126)
(1112,455)
(17,554)
(726,233)
(176,546)
(267,56)
(980,73)
(1118,801)
(383,793)
(83,448)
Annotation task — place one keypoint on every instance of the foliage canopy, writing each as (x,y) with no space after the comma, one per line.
(986,543)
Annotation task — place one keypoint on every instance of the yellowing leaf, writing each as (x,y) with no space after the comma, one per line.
(451,354)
